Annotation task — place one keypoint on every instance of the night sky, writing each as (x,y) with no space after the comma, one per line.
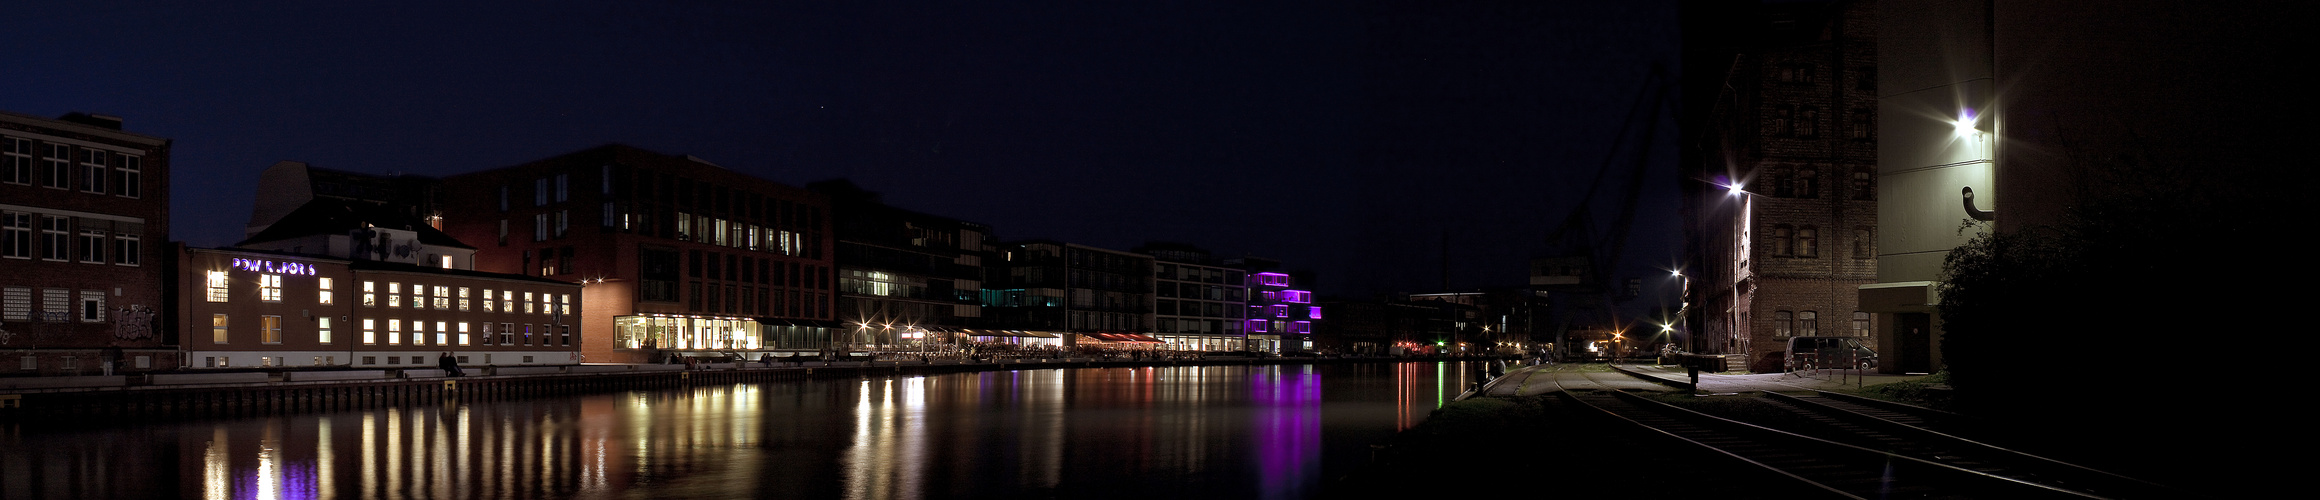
(1344,138)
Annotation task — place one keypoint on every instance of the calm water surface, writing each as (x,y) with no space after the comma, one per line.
(1234,432)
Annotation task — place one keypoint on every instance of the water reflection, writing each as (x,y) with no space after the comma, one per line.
(1264,431)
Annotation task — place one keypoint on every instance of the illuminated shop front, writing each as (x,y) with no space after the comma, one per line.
(715,333)
(688,332)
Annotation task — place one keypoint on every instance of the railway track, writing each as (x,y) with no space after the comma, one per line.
(1835,447)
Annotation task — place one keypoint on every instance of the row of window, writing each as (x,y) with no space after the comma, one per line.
(219,289)
(27,235)
(760,301)
(1283,311)
(1803,121)
(1808,323)
(1280,326)
(51,305)
(446,333)
(1806,183)
(265,361)
(64,166)
(1804,241)
(444,298)
(1189,272)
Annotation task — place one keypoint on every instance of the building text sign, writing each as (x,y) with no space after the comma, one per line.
(272,267)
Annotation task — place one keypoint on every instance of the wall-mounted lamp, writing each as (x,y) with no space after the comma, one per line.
(1977,213)
(1970,124)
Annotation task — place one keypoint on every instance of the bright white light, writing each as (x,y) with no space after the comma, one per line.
(1965,123)
(1734,189)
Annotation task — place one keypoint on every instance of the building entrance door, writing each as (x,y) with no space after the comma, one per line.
(1916,346)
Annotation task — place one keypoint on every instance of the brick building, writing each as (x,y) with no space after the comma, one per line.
(1782,227)
(255,308)
(679,255)
(83,207)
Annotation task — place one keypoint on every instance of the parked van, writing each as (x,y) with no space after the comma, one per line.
(1810,353)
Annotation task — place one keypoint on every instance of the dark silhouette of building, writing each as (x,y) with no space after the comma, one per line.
(1087,294)
(679,255)
(1197,298)
(904,277)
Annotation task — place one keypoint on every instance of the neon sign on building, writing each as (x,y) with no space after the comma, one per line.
(272,267)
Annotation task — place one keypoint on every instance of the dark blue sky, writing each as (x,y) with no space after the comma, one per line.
(1344,138)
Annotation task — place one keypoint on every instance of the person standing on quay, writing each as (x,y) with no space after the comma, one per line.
(111,356)
(449,364)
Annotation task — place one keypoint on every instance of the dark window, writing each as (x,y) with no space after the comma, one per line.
(1808,242)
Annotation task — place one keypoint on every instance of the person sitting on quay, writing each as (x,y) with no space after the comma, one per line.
(450,365)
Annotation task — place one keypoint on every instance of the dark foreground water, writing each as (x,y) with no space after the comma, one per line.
(1179,432)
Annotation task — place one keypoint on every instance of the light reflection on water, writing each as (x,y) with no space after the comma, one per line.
(1150,432)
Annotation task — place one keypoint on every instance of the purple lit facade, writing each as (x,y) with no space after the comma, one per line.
(1280,318)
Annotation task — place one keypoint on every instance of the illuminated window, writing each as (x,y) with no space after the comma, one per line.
(217,286)
(1313,312)
(322,329)
(1783,240)
(322,294)
(270,329)
(1808,323)
(394,294)
(370,331)
(442,334)
(270,287)
(566,306)
(463,298)
(442,297)
(527,302)
(1860,324)
(370,294)
(462,333)
(487,300)
(1783,323)
(217,328)
(394,331)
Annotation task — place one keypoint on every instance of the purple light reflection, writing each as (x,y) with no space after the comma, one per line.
(1286,429)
